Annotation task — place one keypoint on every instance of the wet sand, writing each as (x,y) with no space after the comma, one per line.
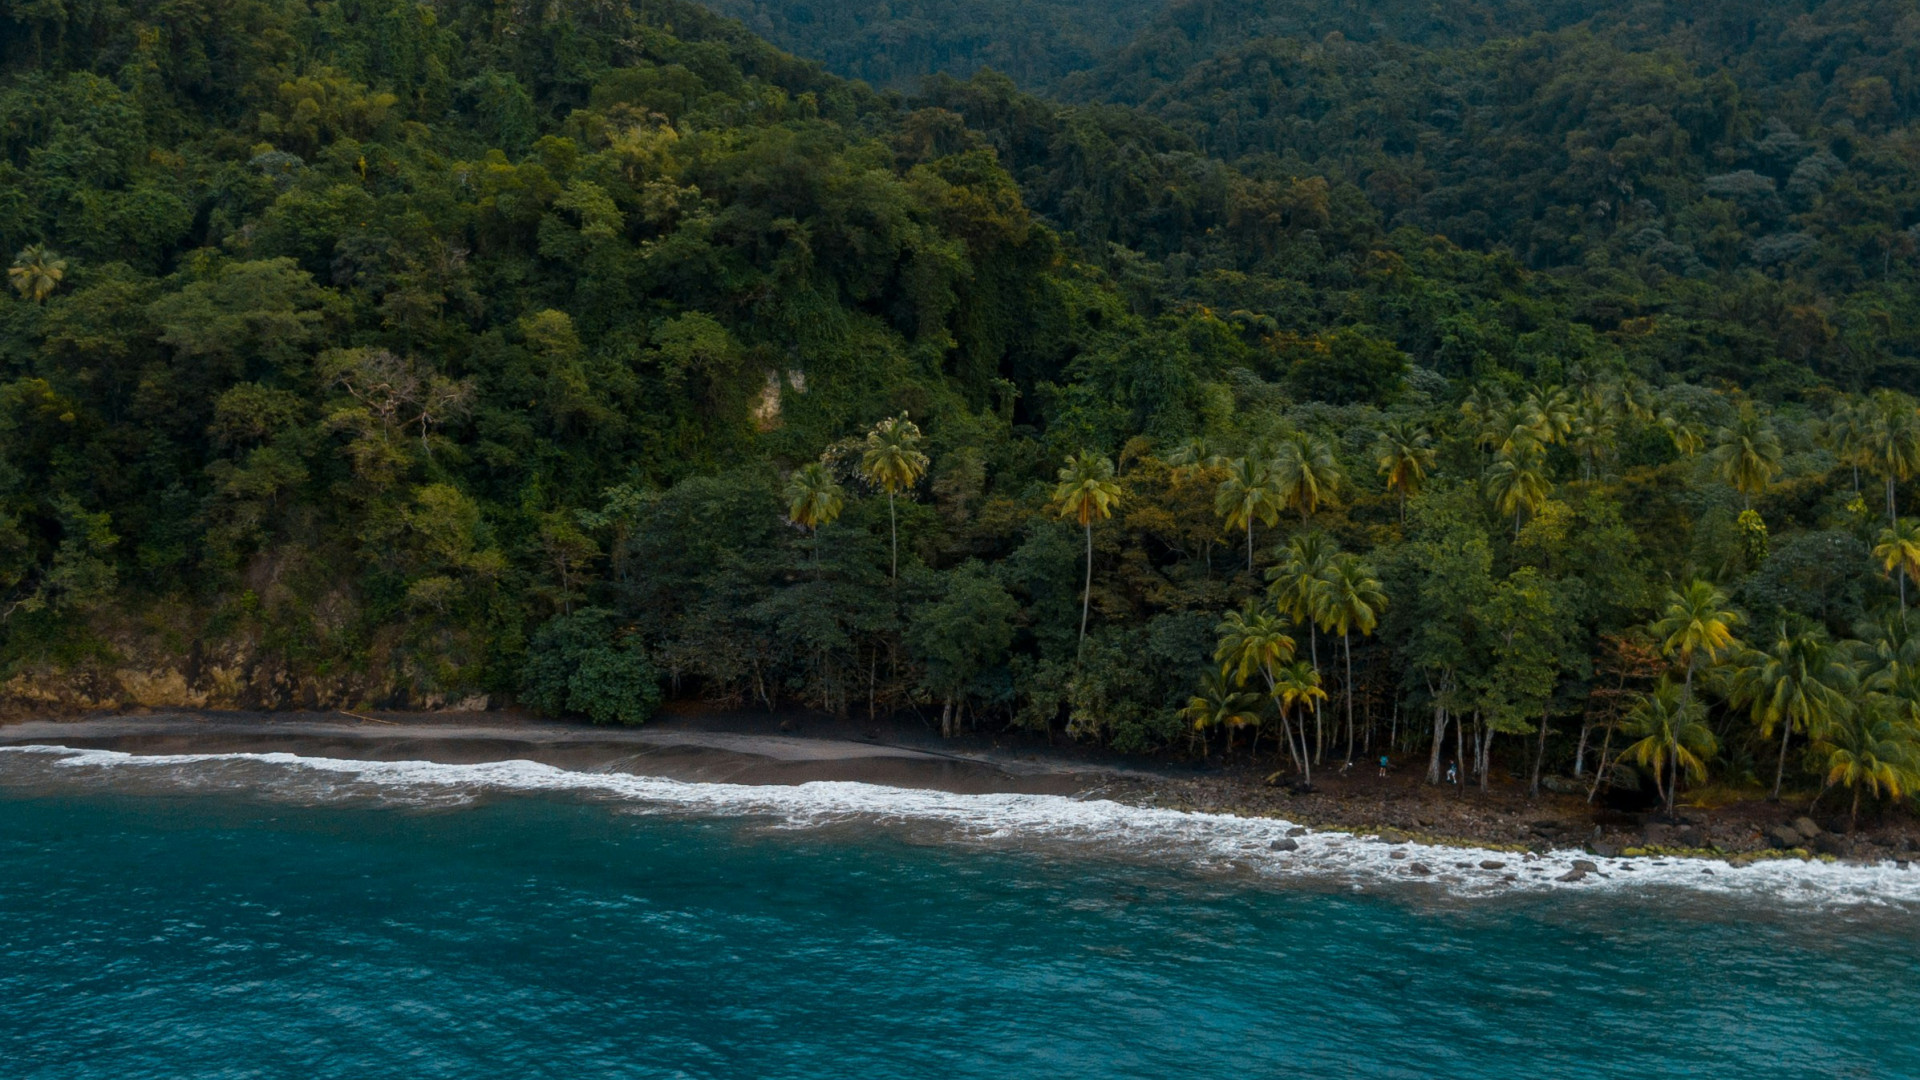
(678,753)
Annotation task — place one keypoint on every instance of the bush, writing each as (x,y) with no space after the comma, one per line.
(576,664)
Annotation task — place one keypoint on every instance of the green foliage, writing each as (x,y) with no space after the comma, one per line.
(576,665)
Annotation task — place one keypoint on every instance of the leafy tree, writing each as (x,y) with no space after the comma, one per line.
(580,663)
(961,635)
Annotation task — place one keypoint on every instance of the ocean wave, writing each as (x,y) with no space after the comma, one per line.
(1208,842)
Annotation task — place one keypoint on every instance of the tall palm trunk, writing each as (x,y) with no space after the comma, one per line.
(1346,641)
(893,526)
(1780,769)
(1319,729)
(1086,594)
(1249,543)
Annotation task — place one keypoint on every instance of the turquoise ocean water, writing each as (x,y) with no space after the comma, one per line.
(251,918)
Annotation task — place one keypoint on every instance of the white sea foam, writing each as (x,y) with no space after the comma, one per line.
(1205,841)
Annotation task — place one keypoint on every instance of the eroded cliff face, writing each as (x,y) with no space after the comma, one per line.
(158,667)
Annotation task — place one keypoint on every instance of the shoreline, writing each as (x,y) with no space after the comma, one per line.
(740,749)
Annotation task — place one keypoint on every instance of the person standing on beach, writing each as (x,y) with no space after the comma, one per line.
(1383,764)
(1453,774)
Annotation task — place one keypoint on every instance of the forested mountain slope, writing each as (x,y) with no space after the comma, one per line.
(586,354)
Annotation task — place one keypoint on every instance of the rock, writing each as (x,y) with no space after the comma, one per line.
(1284,845)
(1423,822)
(1806,828)
(1606,849)
(1829,844)
(1563,785)
(1297,831)
(1396,855)
(1576,874)
(1547,826)
(1689,837)
(1419,868)
(1492,864)
(1785,837)
(1586,866)
(1658,835)
(1389,836)
(1901,863)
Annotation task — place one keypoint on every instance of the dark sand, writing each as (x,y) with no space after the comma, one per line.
(689,750)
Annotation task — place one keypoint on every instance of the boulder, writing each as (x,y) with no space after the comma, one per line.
(1586,866)
(1419,868)
(1492,864)
(1830,844)
(1389,836)
(1284,845)
(1297,831)
(1785,837)
(1806,828)
(1658,835)
(1575,874)
(1396,855)
(1606,849)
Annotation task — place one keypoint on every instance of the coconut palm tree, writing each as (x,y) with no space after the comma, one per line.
(1219,704)
(1404,452)
(36,272)
(1801,682)
(893,463)
(1193,455)
(1899,552)
(1086,491)
(1684,430)
(1549,413)
(1595,430)
(1294,685)
(1294,586)
(1517,483)
(1306,472)
(1251,642)
(1696,624)
(1746,454)
(1352,599)
(1248,494)
(814,499)
(1848,432)
(1893,447)
(1672,738)
(1876,748)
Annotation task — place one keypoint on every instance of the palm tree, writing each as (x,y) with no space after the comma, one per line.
(1193,455)
(1294,685)
(1404,452)
(1696,623)
(1306,473)
(1874,748)
(1086,491)
(1848,431)
(893,463)
(1801,683)
(1517,483)
(1746,454)
(36,272)
(1294,586)
(1218,704)
(1352,599)
(1248,494)
(1251,642)
(1672,739)
(1683,429)
(1899,552)
(1893,448)
(1595,426)
(814,499)
(1549,413)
